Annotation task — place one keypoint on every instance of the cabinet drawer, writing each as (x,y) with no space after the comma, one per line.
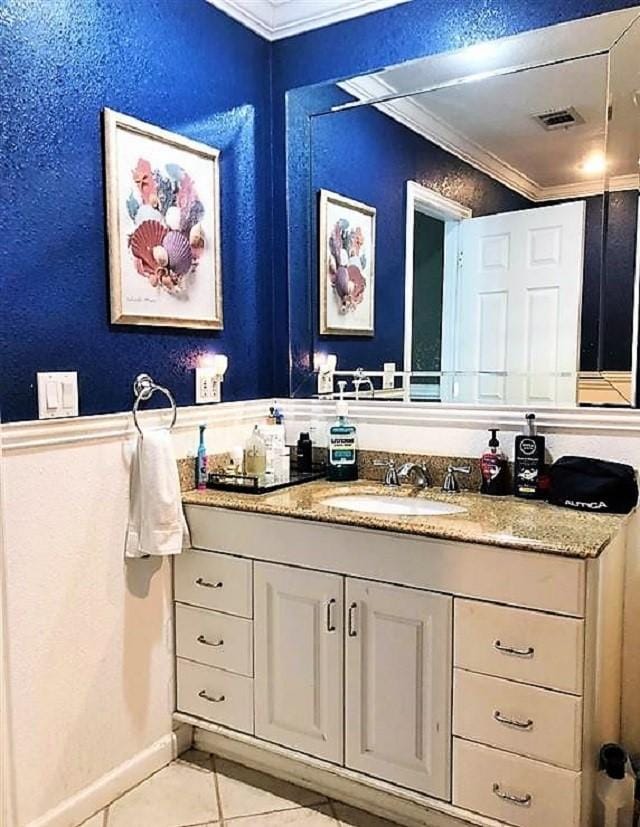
(215,639)
(513,789)
(214,581)
(534,722)
(215,695)
(531,647)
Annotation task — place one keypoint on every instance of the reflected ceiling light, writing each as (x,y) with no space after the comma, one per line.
(481,51)
(594,163)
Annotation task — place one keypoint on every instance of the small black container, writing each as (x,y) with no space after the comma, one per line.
(304,453)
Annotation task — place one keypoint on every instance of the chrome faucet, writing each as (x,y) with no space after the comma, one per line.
(361,378)
(391,475)
(451,484)
(416,472)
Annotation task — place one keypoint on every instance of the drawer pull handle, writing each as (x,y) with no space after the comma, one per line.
(353,632)
(218,700)
(512,650)
(331,625)
(520,800)
(498,716)
(202,639)
(205,584)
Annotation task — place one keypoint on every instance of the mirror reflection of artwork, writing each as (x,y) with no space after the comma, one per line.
(163,225)
(347,265)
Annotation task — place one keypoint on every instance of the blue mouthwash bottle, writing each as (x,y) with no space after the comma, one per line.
(343,451)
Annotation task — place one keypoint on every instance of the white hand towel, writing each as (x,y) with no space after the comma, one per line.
(156,521)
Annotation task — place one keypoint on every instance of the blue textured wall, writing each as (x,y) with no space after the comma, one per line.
(182,65)
(412,30)
(185,66)
(365,155)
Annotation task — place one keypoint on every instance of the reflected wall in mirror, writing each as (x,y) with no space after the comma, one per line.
(505,180)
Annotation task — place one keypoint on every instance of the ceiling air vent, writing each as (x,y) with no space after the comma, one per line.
(559,118)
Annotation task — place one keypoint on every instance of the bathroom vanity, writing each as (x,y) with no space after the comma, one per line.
(437,670)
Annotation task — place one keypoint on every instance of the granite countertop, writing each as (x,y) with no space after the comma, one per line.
(497,521)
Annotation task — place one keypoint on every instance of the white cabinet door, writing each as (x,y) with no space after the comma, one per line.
(398,685)
(299,646)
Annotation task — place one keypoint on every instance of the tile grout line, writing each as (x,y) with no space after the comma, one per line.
(217,789)
(333,811)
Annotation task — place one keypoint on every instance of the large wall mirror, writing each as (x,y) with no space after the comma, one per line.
(464,228)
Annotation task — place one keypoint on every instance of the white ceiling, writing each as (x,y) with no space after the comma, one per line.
(487,121)
(275,19)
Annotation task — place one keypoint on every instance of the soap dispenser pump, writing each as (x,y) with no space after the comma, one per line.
(343,453)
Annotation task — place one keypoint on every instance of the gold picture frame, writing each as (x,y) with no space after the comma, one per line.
(174,191)
(347,239)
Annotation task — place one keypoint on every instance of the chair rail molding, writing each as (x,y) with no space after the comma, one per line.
(41,433)
(619,422)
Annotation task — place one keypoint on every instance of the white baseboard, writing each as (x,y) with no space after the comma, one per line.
(96,796)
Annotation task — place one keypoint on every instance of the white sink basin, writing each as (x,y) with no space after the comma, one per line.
(375,504)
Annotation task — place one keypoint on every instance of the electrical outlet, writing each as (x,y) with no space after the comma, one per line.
(208,386)
(388,377)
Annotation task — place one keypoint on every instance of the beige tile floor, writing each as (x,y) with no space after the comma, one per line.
(200,790)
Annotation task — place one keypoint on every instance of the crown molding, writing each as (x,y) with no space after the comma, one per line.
(408,113)
(48,433)
(276,19)
(405,111)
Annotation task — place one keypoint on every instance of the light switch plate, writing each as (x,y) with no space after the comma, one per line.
(57,394)
(208,386)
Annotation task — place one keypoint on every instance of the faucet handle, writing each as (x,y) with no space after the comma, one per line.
(391,474)
(451,484)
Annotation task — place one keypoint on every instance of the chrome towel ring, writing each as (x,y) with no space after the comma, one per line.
(143,389)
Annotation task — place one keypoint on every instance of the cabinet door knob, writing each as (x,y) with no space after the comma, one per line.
(353,632)
(202,639)
(502,719)
(217,700)
(520,800)
(512,650)
(331,625)
(205,584)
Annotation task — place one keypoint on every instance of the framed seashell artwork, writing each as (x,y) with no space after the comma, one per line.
(163,226)
(347,237)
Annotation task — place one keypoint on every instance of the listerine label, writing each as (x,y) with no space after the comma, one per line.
(342,446)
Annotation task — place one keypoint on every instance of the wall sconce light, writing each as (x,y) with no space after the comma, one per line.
(209,379)
(325,365)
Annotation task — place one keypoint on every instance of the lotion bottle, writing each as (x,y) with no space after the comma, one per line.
(343,452)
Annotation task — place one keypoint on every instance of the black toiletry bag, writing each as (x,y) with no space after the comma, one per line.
(593,485)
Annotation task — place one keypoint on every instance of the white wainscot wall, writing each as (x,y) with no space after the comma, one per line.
(89,638)
(89,662)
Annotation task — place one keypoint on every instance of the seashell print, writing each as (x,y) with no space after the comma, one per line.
(341,283)
(144,238)
(180,256)
(148,213)
(160,256)
(172,218)
(196,235)
(359,283)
